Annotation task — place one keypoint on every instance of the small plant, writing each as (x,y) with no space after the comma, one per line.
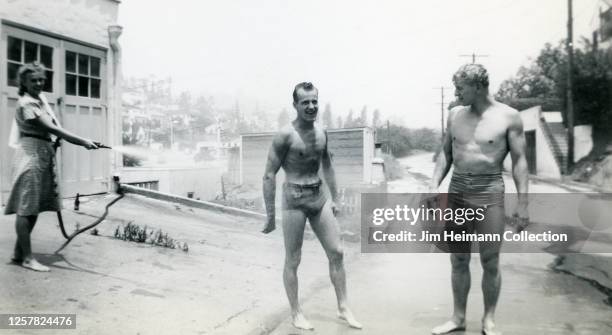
(95,232)
(135,233)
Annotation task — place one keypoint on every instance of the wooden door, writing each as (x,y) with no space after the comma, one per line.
(84,112)
(18,47)
(75,76)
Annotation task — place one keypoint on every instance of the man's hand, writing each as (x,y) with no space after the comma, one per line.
(520,218)
(270,225)
(334,208)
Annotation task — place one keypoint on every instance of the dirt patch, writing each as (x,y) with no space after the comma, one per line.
(245,196)
(595,170)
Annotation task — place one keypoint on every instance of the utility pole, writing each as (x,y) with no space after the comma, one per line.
(442,88)
(171,133)
(570,94)
(473,56)
(388,138)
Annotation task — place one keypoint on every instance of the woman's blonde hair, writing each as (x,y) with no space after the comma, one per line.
(24,70)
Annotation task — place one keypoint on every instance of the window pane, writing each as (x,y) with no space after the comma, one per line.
(12,74)
(31,52)
(49,82)
(83,86)
(83,64)
(46,56)
(71,84)
(95,66)
(14,49)
(70,62)
(95,88)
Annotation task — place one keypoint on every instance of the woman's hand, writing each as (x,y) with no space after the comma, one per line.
(89,144)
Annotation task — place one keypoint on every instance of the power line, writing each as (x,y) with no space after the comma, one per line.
(473,56)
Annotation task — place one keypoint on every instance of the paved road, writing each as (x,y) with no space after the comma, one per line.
(410,293)
(230,281)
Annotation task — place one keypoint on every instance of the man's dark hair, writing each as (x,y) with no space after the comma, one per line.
(306,86)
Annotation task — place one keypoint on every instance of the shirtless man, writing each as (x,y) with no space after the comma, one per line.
(481,132)
(300,149)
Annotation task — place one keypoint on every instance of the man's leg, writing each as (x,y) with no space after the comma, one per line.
(461,281)
(325,226)
(491,285)
(24,226)
(489,259)
(294,222)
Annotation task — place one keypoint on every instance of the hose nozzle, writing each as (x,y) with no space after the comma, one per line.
(102,146)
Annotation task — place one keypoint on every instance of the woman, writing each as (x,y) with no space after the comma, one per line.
(34,187)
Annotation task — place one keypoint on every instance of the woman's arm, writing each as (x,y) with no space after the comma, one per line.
(63,133)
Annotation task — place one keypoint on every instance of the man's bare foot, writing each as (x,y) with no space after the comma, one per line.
(346,315)
(488,328)
(449,327)
(300,322)
(269,228)
(33,264)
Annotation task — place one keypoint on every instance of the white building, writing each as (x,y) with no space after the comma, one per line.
(77,41)
(546,140)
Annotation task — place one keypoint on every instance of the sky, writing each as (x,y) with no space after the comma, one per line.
(388,55)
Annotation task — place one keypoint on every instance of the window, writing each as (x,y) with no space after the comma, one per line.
(20,52)
(82,75)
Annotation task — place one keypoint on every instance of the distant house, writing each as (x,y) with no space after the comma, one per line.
(546,138)
(604,33)
(352,150)
(77,41)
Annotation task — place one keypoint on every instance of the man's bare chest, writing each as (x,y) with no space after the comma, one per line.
(482,132)
(307,146)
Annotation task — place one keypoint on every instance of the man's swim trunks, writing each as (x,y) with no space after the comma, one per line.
(477,191)
(308,198)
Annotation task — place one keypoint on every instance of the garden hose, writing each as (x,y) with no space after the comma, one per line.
(60,219)
(84,229)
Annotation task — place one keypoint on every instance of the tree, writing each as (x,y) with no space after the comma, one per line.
(263,122)
(203,115)
(402,141)
(376,119)
(327,117)
(184,101)
(283,118)
(349,122)
(339,122)
(362,121)
(544,82)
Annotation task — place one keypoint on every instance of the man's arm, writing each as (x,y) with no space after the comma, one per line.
(445,157)
(277,152)
(330,176)
(328,172)
(516,143)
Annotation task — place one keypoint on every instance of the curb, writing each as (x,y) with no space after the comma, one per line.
(567,184)
(570,183)
(192,202)
(594,268)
